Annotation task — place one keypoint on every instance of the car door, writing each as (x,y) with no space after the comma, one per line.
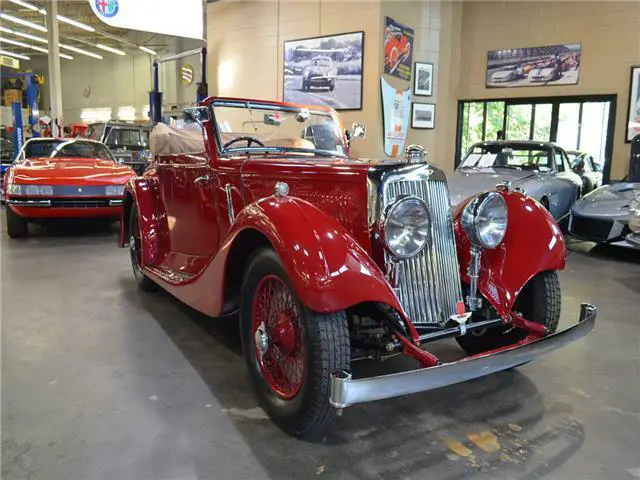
(187,187)
(562,185)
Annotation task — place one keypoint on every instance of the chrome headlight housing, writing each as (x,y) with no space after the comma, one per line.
(29,190)
(114,190)
(484,220)
(406,227)
(634,215)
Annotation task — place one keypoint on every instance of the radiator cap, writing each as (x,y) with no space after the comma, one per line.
(415,154)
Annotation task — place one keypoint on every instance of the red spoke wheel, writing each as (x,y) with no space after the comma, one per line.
(135,251)
(290,351)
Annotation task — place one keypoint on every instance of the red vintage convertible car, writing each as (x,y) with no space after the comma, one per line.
(54,178)
(256,208)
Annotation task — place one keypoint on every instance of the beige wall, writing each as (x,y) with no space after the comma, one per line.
(609,32)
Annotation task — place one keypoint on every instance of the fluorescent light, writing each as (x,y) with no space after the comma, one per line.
(75,23)
(147,50)
(24,35)
(16,55)
(64,55)
(22,44)
(95,114)
(25,4)
(13,19)
(126,113)
(110,49)
(80,50)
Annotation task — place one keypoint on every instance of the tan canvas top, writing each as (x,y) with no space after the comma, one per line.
(166,140)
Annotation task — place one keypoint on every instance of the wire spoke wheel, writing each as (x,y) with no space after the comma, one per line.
(279,337)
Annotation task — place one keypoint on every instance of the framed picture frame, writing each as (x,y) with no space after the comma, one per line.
(423,79)
(423,116)
(325,70)
(633,108)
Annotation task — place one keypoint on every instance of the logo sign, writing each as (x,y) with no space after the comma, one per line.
(186,74)
(107,8)
(182,18)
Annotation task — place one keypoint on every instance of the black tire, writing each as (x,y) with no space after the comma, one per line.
(587,186)
(332,86)
(326,350)
(144,283)
(305,86)
(539,301)
(17,226)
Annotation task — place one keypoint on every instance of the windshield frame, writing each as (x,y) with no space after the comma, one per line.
(513,146)
(289,108)
(60,142)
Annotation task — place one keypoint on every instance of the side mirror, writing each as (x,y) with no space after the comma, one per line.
(197,114)
(358,130)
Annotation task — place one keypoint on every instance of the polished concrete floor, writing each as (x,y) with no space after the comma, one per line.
(101,381)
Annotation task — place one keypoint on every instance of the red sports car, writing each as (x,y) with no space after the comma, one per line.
(397,47)
(63,178)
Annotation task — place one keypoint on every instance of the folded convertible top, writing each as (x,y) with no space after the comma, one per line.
(166,140)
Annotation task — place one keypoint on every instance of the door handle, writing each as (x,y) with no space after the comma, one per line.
(202,179)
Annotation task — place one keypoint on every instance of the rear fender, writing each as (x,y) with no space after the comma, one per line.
(328,269)
(142,193)
(532,244)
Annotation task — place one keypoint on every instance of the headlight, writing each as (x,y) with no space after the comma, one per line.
(114,190)
(405,228)
(31,190)
(634,215)
(484,219)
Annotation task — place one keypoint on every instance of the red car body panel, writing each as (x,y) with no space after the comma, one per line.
(532,244)
(320,230)
(67,172)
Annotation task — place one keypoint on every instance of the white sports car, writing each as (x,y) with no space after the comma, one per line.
(544,74)
(506,74)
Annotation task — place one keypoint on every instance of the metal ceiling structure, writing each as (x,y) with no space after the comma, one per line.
(23,26)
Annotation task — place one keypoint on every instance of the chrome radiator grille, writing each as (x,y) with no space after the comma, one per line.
(429,283)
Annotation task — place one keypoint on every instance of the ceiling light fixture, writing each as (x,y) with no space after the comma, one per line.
(83,52)
(24,35)
(16,55)
(75,23)
(147,50)
(64,55)
(110,49)
(30,6)
(22,44)
(25,23)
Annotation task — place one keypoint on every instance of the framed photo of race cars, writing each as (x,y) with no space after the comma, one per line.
(423,79)
(633,110)
(325,71)
(423,116)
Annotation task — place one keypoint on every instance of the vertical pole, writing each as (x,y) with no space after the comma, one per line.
(18,132)
(32,103)
(155,97)
(55,78)
(202,91)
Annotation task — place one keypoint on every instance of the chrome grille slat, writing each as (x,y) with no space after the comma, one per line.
(429,283)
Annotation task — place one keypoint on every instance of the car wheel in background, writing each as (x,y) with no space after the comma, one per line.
(135,251)
(290,351)
(587,186)
(17,226)
(332,85)
(539,301)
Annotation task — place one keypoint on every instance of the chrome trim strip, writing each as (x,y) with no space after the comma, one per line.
(346,391)
(115,203)
(30,203)
(232,215)
(633,239)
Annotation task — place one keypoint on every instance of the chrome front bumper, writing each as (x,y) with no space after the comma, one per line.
(633,239)
(346,391)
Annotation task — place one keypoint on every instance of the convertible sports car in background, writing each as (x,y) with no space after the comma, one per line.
(589,170)
(546,72)
(634,222)
(602,216)
(330,259)
(55,178)
(540,170)
(321,72)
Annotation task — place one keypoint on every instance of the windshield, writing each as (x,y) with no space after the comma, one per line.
(95,130)
(128,138)
(517,157)
(66,148)
(267,128)
(324,62)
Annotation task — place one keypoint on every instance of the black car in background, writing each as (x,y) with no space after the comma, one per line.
(128,142)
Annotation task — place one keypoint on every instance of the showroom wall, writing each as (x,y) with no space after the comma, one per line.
(609,32)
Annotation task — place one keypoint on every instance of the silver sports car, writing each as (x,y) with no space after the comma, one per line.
(539,169)
(634,222)
(602,216)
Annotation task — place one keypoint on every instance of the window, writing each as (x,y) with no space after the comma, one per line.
(123,138)
(559,162)
(516,156)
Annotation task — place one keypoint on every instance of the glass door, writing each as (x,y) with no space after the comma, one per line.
(519,122)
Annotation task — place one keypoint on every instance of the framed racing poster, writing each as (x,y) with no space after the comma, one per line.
(398,49)
(633,111)
(325,71)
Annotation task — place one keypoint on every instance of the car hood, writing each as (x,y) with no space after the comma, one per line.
(71,171)
(607,201)
(541,71)
(466,182)
(318,70)
(504,73)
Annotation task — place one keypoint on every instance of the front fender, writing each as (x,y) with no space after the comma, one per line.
(328,269)
(142,193)
(532,244)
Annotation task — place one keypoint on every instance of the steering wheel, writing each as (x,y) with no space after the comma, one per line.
(249,141)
